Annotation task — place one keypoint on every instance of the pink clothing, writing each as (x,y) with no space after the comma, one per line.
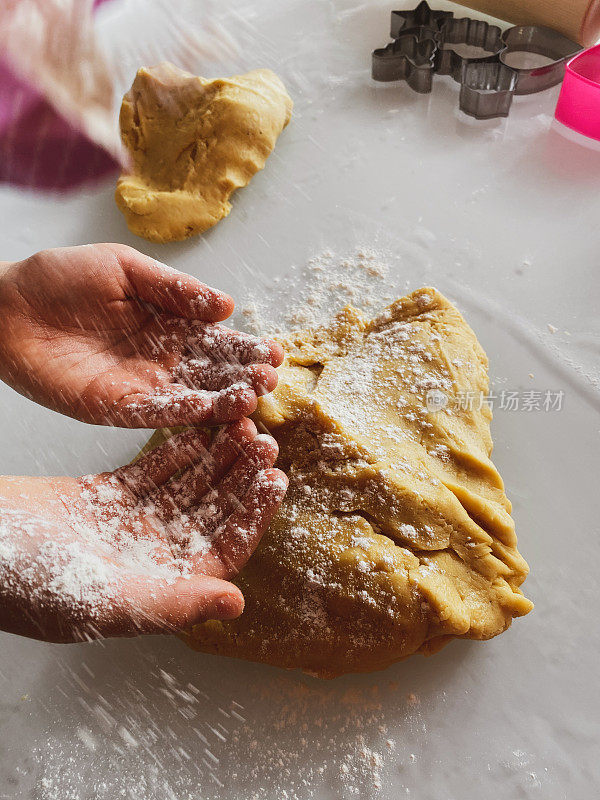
(38,148)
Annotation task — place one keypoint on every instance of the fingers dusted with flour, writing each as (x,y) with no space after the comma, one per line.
(242,531)
(227,500)
(177,405)
(205,473)
(214,511)
(234,347)
(110,336)
(158,466)
(169,289)
(201,374)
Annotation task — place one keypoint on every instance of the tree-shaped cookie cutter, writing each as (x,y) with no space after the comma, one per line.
(488,82)
(408,58)
(473,33)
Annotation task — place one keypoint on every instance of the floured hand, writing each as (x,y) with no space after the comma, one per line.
(145,549)
(109,336)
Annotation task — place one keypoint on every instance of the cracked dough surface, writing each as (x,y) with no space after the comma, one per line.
(396,533)
(192,142)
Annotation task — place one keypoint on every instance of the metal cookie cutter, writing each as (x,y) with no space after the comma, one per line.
(487,89)
(420,17)
(487,92)
(488,82)
(471,33)
(542,42)
(409,58)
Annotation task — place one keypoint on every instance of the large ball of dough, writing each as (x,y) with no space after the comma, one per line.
(395,536)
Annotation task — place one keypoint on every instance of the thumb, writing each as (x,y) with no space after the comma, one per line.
(153,606)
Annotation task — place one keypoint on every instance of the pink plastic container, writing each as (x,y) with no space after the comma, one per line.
(579,102)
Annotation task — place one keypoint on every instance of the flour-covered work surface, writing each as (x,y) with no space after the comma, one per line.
(370,193)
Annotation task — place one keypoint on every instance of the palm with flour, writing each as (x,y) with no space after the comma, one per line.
(148,548)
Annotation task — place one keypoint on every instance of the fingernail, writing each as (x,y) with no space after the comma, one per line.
(216,302)
(228,607)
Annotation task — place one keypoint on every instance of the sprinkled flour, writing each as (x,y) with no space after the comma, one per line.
(279,737)
(326,284)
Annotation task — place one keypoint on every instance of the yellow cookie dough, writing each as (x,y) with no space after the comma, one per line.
(192,143)
(396,534)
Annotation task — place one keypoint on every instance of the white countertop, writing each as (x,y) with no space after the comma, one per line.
(503,217)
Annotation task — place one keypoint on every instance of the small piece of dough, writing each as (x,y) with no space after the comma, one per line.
(192,143)
(395,535)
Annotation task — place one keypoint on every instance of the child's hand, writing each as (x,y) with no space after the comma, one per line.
(109,336)
(145,549)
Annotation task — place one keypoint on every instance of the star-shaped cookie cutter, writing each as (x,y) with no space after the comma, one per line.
(488,82)
(420,17)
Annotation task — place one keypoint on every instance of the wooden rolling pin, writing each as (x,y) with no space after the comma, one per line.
(577,19)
